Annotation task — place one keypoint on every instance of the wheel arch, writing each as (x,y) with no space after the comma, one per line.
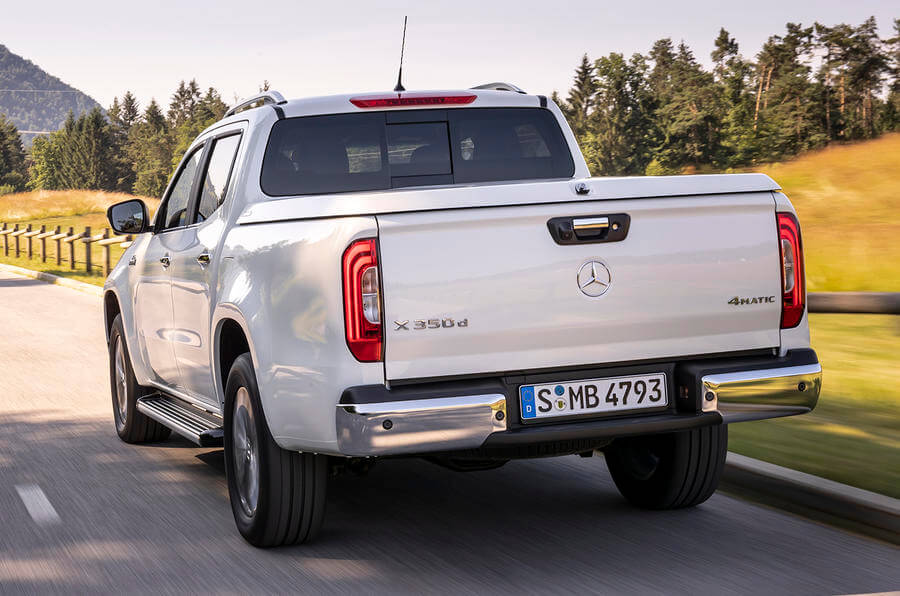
(111,308)
(231,339)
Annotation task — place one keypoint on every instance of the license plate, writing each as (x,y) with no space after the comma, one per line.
(593,396)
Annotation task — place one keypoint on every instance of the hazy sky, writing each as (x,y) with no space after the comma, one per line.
(316,48)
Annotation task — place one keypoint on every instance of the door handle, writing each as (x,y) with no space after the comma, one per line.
(165,262)
(203,259)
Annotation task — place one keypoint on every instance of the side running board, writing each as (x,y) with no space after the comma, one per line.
(199,426)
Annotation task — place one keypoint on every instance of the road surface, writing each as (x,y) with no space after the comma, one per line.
(82,512)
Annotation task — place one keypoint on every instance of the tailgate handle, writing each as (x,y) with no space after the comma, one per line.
(590,226)
(589,229)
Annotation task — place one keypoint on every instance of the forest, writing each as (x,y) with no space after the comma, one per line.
(659,113)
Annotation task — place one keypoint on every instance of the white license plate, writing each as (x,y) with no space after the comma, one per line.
(593,396)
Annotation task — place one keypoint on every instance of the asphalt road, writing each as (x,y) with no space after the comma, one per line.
(156,518)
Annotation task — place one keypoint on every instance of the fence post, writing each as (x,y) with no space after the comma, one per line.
(5,243)
(87,249)
(43,244)
(30,243)
(16,229)
(58,249)
(106,251)
(71,249)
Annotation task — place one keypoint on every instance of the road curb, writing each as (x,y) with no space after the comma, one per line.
(53,279)
(825,500)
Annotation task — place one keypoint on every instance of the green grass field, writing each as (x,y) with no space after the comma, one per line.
(848,201)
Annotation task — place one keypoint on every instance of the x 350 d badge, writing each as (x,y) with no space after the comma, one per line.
(419,324)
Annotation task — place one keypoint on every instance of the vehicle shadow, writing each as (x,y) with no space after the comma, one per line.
(157,518)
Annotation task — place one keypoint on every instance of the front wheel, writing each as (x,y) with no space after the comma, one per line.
(669,471)
(277,496)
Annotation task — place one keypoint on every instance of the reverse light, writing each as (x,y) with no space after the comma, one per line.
(398,100)
(362,301)
(793,300)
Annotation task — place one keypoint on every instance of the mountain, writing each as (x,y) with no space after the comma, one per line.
(33,99)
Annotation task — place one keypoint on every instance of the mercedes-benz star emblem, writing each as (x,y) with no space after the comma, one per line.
(593,279)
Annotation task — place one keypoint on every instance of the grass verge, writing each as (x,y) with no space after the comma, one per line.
(64,209)
(852,435)
(847,200)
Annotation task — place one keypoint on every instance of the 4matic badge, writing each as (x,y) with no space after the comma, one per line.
(419,324)
(738,301)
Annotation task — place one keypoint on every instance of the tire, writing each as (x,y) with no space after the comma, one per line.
(277,496)
(131,425)
(669,471)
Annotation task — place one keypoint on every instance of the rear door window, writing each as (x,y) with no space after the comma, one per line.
(325,154)
(382,150)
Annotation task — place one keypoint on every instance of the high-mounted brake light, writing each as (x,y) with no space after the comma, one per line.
(399,100)
(793,301)
(362,303)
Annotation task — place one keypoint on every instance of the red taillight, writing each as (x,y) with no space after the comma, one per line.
(362,304)
(792,277)
(397,100)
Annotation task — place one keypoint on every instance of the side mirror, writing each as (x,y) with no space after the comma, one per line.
(128,217)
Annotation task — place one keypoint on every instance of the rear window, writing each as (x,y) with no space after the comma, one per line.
(382,150)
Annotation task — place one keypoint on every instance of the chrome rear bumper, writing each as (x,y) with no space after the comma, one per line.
(374,420)
(419,425)
(759,394)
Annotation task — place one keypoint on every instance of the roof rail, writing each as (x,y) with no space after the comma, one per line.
(266,97)
(499,87)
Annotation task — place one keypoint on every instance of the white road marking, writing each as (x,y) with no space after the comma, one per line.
(37,504)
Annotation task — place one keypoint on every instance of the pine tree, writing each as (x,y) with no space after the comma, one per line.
(689,113)
(620,136)
(740,144)
(130,111)
(867,67)
(184,103)
(788,117)
(726,49)
(581,97)
(149,151)
(13,174)
(890,115)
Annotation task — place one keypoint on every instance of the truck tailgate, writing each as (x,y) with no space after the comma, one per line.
(484,290)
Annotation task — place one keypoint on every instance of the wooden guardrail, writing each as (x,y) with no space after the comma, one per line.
(876,303)
(66,243)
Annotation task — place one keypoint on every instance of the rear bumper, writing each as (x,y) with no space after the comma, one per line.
(373,420)
(758,394)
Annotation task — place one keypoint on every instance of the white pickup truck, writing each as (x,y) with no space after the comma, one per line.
(338,279)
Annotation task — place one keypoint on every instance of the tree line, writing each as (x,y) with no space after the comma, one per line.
(127,149)
(664,113)
(656,114)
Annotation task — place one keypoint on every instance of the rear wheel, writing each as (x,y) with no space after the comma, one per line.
(669,471)
(277,496)
(131,425)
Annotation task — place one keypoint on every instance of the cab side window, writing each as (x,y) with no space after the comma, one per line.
(175,214)
(218,173)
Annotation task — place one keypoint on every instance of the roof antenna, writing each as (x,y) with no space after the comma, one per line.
(400,86)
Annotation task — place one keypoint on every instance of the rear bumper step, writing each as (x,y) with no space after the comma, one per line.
(194,424)
(373,420)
